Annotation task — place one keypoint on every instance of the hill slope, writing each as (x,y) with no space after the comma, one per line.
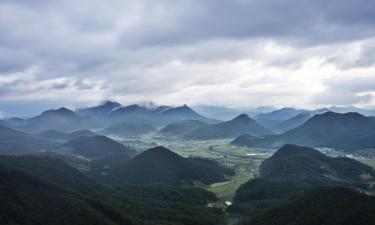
(160,165)
(294,162)
(181,128)
(291,123)
(61,119)
(128,129)
(16,142)
(242,124)
(99,111)
(94,147)
(154,116)
(329,205)
(44,190)
(54,134)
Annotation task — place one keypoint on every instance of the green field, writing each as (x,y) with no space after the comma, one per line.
(245,161)
(369,162)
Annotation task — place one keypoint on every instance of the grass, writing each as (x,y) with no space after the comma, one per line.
(245,161)
(225,192)
(369,162)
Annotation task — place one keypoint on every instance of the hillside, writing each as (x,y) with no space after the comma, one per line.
(128,129)
(44,190)
(94,147)
(160,165)
(329,129)
(329,206)
(242,124)
(99,111)
(61,119)
(16,142)
(154,116)
(181,128)
(291,123)
(294,162)
(54,134)
(292,173)
(184,112)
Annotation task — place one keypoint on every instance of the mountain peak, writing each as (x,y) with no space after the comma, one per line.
(61,111)
(159,151)
(242,117)
(109,103)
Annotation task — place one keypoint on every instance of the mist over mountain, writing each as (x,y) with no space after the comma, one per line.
(99,111)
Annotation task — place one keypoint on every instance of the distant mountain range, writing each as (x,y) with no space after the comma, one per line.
(104,116)
(160,165)
(155,116)
(242,124)
(347,131)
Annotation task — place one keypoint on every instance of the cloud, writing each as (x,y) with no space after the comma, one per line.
(358,88)
(237,53)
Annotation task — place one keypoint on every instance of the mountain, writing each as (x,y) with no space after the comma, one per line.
(17,142)
(324,130)
(131,110)
(44,190)
(61,119)
(54,134)
(158,116)
(128,129)
(293,162)
(242,124)
(294,173)
(326,205)
(341,109)
(13,121)
(180,128)
(160,165)
(277,116)
(291,123)
(219,112)
(99,111)
(94,147)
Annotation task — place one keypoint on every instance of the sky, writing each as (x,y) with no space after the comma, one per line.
(234,53)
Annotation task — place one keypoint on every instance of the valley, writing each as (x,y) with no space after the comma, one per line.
(156,166)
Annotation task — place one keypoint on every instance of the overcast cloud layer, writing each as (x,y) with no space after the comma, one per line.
(235,53)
